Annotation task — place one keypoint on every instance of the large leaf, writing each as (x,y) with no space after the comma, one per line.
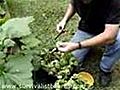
(19,70)
(30,41)
(17,27)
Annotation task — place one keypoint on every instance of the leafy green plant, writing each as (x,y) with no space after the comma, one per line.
(16,53)
(56,63)
(74,83)
(61,65)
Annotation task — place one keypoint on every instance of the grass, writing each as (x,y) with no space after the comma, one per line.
(47,14)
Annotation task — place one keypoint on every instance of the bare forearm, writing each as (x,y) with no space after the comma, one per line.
(107,37)
(69,13)
(96,41)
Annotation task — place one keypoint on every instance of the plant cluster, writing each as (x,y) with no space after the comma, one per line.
(61,65)
(57,63)
(16,53)
(74,83)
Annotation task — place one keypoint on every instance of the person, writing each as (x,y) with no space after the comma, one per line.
(99,26)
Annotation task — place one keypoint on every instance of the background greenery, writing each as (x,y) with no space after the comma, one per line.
(47,14)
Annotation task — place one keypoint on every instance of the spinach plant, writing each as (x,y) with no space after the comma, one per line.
(57,63)
(61,65)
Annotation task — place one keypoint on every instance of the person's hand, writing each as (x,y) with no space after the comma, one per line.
(67,46)
(61,26)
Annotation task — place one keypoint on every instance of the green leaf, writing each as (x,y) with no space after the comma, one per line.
(30,41)
(17,27)
(2,35)
(9,43)
(2,83)
(2,55)
(19,69)
(1,47)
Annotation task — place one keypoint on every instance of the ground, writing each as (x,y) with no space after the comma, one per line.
(47,14)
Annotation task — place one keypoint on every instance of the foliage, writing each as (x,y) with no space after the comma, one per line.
(61,65)
(47,14)
(16,53)
(56,63)
(4,14)
(74,83)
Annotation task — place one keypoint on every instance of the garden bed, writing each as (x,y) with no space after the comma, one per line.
(47,14)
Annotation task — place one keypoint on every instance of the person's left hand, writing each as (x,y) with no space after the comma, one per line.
(67,46)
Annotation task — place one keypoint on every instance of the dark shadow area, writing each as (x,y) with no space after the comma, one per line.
(43,80)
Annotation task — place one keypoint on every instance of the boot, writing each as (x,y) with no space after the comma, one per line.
(105,78)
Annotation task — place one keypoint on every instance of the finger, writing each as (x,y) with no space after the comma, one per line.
(59,28)
(58,44)
(61,44)
(62,49)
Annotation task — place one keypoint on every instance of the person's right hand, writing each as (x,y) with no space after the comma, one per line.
(61,26)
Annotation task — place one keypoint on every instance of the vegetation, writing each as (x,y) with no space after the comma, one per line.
(4,14)
(35,44)
(16,53)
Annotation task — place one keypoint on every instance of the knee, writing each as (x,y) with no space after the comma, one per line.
(105,67)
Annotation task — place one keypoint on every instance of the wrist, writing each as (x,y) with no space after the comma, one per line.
(79,45)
